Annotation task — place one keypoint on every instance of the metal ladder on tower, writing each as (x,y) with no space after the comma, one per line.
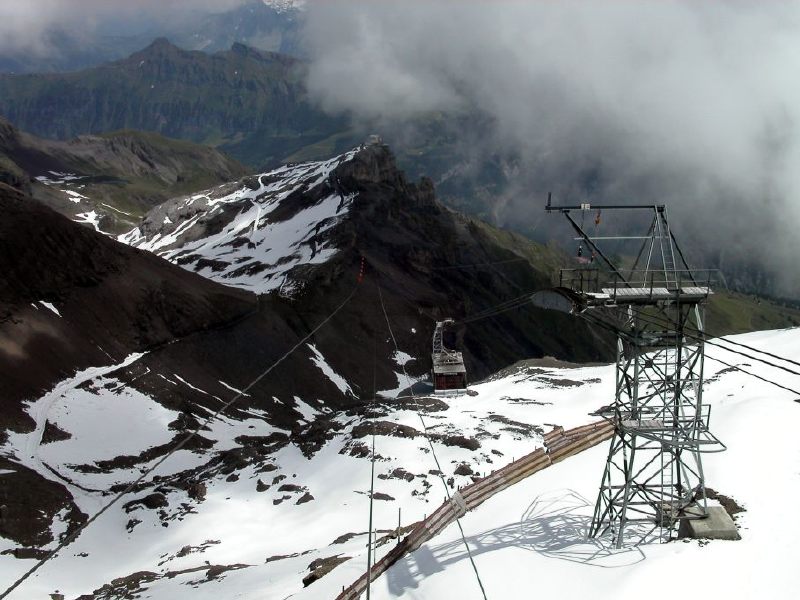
(667,251)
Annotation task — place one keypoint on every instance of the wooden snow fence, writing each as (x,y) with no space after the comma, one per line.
(559,444)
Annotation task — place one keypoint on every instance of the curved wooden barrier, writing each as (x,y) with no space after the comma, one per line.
(558,445)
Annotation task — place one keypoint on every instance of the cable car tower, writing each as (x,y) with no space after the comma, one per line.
(653,478)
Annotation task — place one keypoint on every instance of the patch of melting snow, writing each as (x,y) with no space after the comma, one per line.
(49,306)
(56,178)
(114,208)
(401,358)
(26,447)
(252,251)
(231,388)
(91,218)
(74,196)
(187,384)
(108,420)
(403,383)
(337,380)
(309,412)
(536,529)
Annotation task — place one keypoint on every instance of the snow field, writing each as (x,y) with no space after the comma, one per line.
(254,251)
(529,537)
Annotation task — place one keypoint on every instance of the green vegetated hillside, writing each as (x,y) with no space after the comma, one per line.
(250,102)
(727,312)
(70,48)
(731,312)
(118,175)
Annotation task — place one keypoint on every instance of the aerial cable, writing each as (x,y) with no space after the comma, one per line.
(130,487)
(661,322)
(372,465)
(699,339)
(433,449)
(764,379)
(477,265)
(496,309)
(771,355)
(615,331)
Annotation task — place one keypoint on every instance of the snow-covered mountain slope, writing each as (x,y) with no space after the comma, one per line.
(109,181)
(75,304)
(294,233)
(250,234)
(267,511)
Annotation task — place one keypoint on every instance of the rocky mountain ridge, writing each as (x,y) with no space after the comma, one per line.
(266,25)
(88,322)
(108,180)
(231,99)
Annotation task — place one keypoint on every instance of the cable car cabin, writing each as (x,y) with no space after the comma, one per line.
(449,372)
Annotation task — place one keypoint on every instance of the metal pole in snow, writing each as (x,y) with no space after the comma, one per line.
(369,536)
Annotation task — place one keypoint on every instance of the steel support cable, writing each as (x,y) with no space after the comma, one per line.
(755,358)
(722,338)
(661,322)
(477,265)
(764,379)
(492,314)
(505,306)
(130,487)
(751,348)
(433,449)
(615,331)
(372,466)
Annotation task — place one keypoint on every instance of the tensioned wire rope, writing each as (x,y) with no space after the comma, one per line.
(523,300)
(662,322)
(433,449)
(372,464)
(130,487)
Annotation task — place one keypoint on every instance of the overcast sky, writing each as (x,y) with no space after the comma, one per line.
(693,103)
(23,23)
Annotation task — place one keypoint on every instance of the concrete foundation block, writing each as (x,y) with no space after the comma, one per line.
(717,526)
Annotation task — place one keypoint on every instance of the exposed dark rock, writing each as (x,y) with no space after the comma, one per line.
(151,501)
(463,469)
(458,440)
(29,503)
(290,487)
(383,428)
(321,567)
(401,473)
(729,504)
(307,497)
(381,496)
(197,491)
(52,433)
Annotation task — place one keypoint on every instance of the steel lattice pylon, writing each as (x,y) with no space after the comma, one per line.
(653,477)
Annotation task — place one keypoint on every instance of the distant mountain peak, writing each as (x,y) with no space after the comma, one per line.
(160,43)
(285,5)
